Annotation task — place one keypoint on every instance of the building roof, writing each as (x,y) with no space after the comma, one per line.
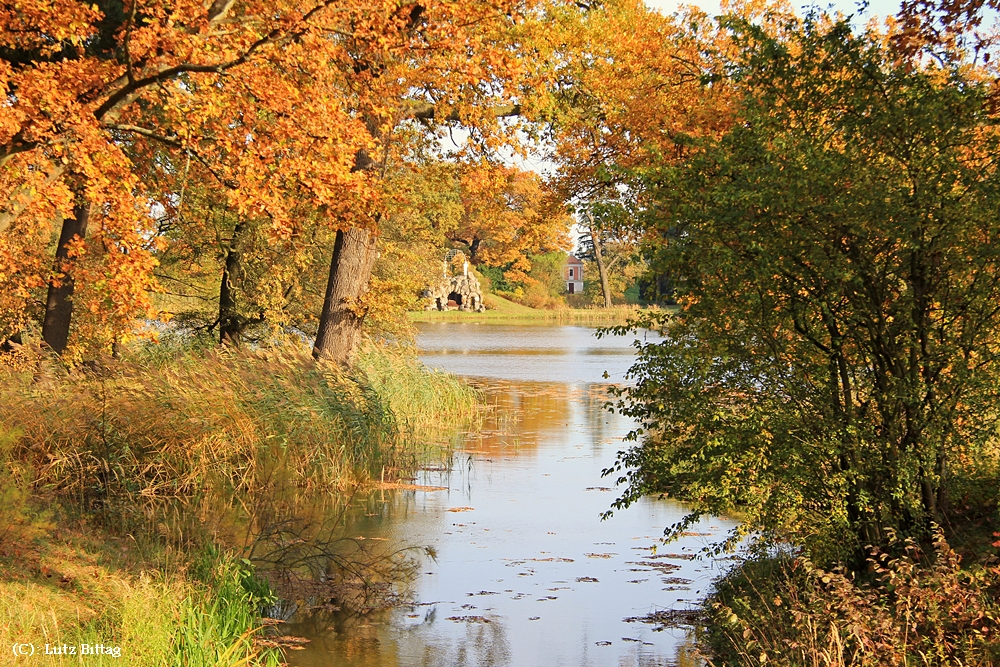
(573,259)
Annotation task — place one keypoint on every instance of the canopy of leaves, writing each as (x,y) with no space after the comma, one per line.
(136,107)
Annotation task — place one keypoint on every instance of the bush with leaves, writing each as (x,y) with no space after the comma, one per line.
(832,373)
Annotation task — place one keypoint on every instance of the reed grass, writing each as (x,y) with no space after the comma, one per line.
(171,427)
(180,449)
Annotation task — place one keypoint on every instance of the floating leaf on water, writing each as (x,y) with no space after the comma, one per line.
(673,556)
(287,642)
(663,567)
(405,486)
(669,618)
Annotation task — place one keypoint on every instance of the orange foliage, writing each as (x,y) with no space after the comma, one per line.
(274,99)
(512,215)
(633,96)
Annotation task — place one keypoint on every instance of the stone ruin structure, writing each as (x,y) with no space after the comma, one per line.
(459,292)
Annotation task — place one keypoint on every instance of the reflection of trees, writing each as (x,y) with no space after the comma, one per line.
(357,641)
(521,414)
(485,644)
(524,414)
(599,420)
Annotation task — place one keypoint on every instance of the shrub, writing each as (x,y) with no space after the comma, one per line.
(916,609)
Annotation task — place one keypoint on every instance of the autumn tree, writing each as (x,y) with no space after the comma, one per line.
(834,364)
(628,81)
(283,103)
(954,29)
(507,215)
(611,234)
(93,87)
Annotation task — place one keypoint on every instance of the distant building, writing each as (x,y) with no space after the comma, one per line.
(574,274)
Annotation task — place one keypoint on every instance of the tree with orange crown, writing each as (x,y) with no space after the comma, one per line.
(278,102)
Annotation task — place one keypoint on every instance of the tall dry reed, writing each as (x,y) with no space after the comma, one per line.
(231,422)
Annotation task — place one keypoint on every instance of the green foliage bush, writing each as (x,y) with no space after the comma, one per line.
(832,373)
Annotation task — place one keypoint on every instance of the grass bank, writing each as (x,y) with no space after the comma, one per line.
(143,501)
(500,311)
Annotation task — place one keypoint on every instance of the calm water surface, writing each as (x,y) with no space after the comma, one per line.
(526,574)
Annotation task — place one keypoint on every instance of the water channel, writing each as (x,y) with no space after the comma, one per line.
(525,573)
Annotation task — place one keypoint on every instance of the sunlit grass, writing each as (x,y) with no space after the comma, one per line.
(59,592)
(155,427)
(500,310)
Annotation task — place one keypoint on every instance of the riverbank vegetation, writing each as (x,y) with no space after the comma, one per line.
(500,310)
(811,205)
(831,372)
(147,498)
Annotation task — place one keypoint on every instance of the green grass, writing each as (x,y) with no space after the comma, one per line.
(500,310)
(75,589)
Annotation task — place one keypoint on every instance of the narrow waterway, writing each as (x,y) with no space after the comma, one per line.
(524,573)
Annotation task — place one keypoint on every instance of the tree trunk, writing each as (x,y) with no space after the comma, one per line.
(59,304)
(340,324)
(599,256)
(350,269)
(231,325)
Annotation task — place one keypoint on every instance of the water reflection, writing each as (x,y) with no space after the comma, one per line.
(571,354)
(525,572)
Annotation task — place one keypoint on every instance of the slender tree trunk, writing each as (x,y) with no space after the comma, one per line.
(231,325)
(340,324)
(59,304)
(601,270)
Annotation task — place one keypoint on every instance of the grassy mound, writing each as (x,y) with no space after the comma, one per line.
(500,310)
